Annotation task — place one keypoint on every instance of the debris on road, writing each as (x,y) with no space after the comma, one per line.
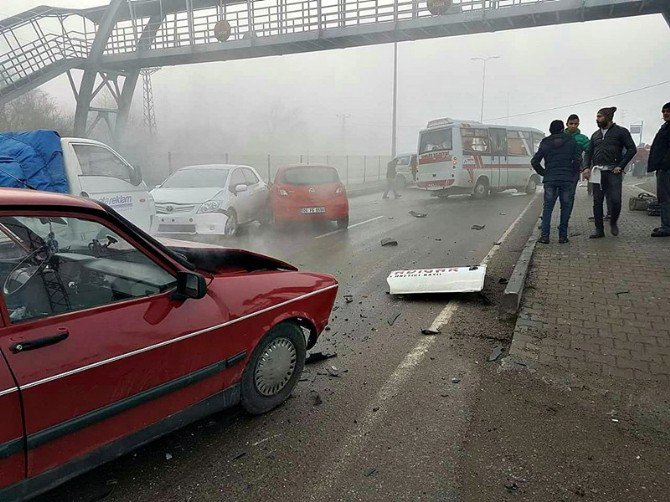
(316,399)
(168,456)
(455,380)
(391,320)
(239,455)
(418,215)
(502,280)
(389,242)
(315,357)
(622,293)
(348,298)
(370,472)
(478,227)
(497,351)
(429,332)
(437,280)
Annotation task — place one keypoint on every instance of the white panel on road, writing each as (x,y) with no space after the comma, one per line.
(437,280)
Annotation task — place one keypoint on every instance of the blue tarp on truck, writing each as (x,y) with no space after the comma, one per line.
(33,158)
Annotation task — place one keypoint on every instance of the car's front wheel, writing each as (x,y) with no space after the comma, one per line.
(273,369)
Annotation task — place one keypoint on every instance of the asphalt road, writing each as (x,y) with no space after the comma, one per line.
(382,420)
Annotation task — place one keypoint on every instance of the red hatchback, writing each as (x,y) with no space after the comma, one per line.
(110,338)
(309,193)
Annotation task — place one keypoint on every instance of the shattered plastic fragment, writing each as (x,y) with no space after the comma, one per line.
(389,242)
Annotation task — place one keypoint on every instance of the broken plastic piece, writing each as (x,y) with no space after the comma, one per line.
(418,215)
(428,331)
(389,242)
(496,353)
(437,280)
(393,318)
(478,227)
(315,357)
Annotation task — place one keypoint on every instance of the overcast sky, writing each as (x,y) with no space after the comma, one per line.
(230,103)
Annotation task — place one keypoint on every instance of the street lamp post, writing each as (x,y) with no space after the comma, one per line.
(484,60)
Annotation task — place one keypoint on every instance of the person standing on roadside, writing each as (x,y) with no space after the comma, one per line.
(605,162)
(562,161)
(572,129)
(391,174)
(659,161)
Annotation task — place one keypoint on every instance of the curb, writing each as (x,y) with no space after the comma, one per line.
(517,281)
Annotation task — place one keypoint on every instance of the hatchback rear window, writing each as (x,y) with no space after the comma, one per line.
(310,176)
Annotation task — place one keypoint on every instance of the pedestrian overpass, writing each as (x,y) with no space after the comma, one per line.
(113,43)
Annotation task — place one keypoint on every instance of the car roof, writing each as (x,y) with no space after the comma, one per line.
(12,197)
(210,166)
(292,166)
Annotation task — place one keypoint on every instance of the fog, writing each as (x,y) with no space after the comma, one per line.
(338,102)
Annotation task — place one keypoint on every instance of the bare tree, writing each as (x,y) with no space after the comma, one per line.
(35,110)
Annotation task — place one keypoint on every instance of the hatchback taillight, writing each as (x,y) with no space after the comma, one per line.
(339,190)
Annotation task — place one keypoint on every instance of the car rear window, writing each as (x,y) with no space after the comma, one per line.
(310,176)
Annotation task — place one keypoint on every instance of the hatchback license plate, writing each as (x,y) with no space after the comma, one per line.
(313,210)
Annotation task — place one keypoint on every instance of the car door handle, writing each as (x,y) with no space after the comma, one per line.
(38,342)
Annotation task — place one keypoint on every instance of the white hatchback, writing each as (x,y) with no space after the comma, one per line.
(210,200)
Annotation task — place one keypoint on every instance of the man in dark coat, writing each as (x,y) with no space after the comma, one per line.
(609,152)
(659,161)
(562,161)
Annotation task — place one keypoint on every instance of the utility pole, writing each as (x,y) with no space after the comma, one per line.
(484,60)
(394,127)
(148,100)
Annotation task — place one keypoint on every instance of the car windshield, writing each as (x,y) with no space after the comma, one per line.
(197,178)
(310,176)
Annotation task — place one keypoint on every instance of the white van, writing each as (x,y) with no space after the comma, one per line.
(95,170)
(458,156)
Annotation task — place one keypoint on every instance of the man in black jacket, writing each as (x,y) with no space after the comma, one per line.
(605,162)
(659,161)
(562,160)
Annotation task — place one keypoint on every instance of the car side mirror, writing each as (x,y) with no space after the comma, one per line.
(241,188)
(189,285)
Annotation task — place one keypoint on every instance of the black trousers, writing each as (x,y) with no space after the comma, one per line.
(609,189)
(663,194)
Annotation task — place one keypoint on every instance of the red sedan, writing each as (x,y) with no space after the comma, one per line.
(309,193)
(110,338)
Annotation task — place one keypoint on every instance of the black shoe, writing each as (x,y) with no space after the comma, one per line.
(659,232)
(591,218)
(543,240)
(598,234)
(615,229)
(563,240)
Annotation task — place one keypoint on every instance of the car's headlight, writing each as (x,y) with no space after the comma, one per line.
(210,206)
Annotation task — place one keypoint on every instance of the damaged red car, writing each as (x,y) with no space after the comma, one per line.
(110,338)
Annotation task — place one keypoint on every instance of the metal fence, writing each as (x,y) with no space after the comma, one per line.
(353,169)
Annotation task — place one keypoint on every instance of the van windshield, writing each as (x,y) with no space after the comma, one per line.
(433,141)
(197,178)
(310,175)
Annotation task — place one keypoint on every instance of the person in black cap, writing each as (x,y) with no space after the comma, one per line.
(562,160)
(609,152)
(659,161)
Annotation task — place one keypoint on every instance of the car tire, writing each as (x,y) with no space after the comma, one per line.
(481,189)
(343,223)
(531,187)
(232,226)
(273,369)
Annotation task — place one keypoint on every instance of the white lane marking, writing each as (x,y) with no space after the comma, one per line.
(348,228)
(496,247)
(354,443)
(173,340)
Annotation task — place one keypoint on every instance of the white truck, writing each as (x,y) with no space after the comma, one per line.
(91,168)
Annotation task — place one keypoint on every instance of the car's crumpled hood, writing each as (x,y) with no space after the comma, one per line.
(216,259)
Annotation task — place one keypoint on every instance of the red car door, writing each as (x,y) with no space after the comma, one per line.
(98,346)
(12,456)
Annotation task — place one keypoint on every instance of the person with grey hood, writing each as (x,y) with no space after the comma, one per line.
(562,161)
(609,152)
